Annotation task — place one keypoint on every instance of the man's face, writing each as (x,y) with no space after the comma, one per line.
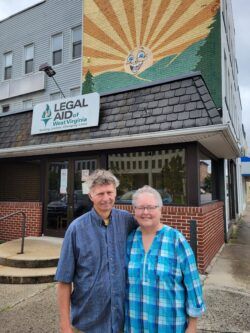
(103,198)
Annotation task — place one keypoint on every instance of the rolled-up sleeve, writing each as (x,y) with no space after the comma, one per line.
(195,305)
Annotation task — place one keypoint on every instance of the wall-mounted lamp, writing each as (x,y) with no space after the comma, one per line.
(50,72)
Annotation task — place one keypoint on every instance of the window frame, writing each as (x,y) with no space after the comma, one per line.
(76,43)
(28,60)
(143,153)
(8,69)
(55,51)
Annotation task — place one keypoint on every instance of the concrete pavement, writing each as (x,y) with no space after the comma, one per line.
(227,285)
(32,308)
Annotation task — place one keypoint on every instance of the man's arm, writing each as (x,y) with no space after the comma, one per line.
(63,299)
(192,325)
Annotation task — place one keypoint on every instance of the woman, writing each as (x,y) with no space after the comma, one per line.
(163,290)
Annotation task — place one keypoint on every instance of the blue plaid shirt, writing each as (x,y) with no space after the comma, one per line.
(163,284)
(93,258)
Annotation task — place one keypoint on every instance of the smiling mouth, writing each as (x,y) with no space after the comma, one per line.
(136,67)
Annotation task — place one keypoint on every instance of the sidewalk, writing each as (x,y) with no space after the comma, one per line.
(32,308)
(227,286)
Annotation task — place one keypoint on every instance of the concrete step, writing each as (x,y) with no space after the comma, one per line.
(12,275)
(36,265)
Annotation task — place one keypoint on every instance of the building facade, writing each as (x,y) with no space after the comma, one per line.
(175,125)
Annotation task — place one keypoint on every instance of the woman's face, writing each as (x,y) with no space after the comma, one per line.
(147,211)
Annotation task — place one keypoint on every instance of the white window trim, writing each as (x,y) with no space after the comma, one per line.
(24,60)
(51,51)
(71,43)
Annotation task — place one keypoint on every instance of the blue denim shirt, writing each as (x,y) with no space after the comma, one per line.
(93,258)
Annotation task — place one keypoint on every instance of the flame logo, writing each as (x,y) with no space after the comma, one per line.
(46,116)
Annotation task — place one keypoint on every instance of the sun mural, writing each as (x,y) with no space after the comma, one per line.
(128,42)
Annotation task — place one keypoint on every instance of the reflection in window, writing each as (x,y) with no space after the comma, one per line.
(164,170)
(205,179)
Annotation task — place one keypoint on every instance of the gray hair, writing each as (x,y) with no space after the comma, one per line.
(149,190)
(101,177)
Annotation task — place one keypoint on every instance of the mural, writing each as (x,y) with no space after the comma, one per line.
(128,43)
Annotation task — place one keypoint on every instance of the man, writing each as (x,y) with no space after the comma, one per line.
(93,261)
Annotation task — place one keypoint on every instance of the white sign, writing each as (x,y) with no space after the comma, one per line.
(66,114)
(85,174)
(63,181)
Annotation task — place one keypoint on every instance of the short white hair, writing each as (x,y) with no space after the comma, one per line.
(150,190)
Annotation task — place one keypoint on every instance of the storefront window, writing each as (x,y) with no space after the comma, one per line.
(163,169)
(206,179)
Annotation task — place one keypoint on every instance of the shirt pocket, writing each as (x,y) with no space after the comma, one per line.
(162,270)
(133,272)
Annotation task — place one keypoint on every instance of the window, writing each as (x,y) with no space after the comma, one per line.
(168,177)
(57,44)
(207,179)
(5,108)
(75,91)
(28,104)
(8,58)
(29,58)
(76,42)
(55,96)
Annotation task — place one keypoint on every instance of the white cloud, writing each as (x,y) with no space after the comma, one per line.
(10,7)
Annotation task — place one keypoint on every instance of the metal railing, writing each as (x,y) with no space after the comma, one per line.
(23,226)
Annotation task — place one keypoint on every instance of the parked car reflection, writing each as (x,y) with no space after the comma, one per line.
(81,205)
(126,198)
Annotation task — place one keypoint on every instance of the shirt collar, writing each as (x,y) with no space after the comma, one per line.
(98,219)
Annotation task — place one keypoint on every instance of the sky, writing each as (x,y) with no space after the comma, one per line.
(241,10)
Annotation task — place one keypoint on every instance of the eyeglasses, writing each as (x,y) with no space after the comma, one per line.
(148,208)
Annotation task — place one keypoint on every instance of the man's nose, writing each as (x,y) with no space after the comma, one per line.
(106,196)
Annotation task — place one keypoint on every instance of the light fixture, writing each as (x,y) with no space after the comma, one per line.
(50,72)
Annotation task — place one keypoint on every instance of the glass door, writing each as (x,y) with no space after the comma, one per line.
(66,195)
(57,197)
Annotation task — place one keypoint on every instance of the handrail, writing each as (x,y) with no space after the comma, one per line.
(23,226)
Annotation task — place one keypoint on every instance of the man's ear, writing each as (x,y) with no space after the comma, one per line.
(89,194)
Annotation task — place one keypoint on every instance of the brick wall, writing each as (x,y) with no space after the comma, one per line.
(11,228)
(210,227)
(209,217)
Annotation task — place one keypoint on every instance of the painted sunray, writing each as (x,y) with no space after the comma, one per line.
(159,20)
(104,24)
(132,35)
(199,32)
(92,42)
(176,14)
(179,20)
(118,6)
(195,21)
(114,22)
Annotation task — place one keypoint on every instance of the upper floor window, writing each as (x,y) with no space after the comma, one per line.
(5,108)
(75,91)
(55,96)
(76,42)
(27,104)
(8,58)
(57,45)
(29,58)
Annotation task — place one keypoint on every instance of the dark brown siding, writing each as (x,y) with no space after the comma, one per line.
(19,181)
